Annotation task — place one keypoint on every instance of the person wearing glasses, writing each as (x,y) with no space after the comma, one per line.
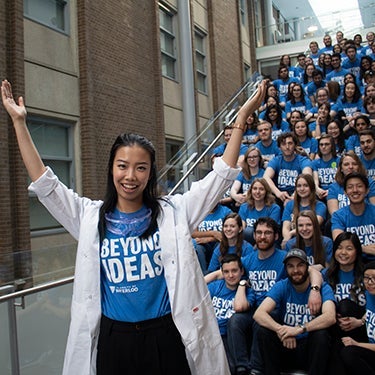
(359,357)
(252,168)
(358,217)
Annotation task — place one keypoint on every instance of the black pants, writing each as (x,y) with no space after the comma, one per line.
(358,361)
(312,353)
(149,347)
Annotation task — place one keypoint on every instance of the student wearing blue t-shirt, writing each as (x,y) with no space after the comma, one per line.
(232,241)
(139,295)
(266,145)
(282,171)
(325,167)
(298,101)
(359,357)
(359,216)
(344,275)
(336,198)
(260,202)
(367,144)
(282,83)
(307,142)
(308,238)
(298,339)
(208,234)
(264,268)
(230,295)
(304,199)
(274,115)
(361,123)
(338,73)
(252,168)
(351,102)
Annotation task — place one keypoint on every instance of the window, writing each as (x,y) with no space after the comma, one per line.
(167,43)
(243,12)
(200,61)
(54,142)
(52,13)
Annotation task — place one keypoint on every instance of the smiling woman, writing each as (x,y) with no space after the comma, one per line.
(137,276)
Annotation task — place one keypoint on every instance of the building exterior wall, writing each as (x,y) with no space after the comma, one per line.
(103,77)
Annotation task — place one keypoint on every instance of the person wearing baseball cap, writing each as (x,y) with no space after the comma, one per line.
(298,339)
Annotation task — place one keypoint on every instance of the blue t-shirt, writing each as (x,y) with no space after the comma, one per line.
(282,87)
(286,172)
(246,183)
(370,317)
(264,273)
(336,191)
(326,171)
(298,106)
(370,167)
(222,300)
(251,215)
(133,286)
(310,145)
(219,150)
(214,220)
(250,135)
(327,246)
(215,263)
(268,151)
(353,66)
(312,87)
(276,131)
(323,127)
(363,225)
(320,210)
(337,77)
(293,305)
(344,287)
(352,143)
(350,108)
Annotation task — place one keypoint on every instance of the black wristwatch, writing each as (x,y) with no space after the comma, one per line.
(315,287)
(242,283)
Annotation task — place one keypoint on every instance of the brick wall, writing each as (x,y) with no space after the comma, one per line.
(120,83)
(226,56)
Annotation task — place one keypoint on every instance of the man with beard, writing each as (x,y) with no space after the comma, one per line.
(301,340)
(264,268)
(367,143)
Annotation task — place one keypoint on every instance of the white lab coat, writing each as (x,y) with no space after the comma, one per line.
(190,301)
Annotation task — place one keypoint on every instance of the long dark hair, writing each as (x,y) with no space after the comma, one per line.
(150,198)
(224,246)
(334,267)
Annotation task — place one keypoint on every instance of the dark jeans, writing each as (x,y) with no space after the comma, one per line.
(150,347)
(239,338)
(311,354)
(358,361)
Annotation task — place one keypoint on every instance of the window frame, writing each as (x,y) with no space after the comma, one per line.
(66,15)
(171,35)
(46,157)
(202,54)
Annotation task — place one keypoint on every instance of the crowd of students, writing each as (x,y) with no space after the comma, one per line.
(289,251)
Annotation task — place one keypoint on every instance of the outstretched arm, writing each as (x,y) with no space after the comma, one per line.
(231,152)
(17,112)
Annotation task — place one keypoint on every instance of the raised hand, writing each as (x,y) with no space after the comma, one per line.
(16,111)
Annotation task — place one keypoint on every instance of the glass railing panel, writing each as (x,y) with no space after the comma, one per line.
(25,269)
(42,331)
(5,359)
(313,26)
(198,149)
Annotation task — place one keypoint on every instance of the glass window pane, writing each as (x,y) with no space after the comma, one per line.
(48,12)
(200,62)
(50,140)
(167,43)
(166,20)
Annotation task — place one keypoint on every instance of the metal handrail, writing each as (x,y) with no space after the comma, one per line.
(36,289)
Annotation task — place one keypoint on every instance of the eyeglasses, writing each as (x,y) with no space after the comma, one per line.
(367,279)
(267,233)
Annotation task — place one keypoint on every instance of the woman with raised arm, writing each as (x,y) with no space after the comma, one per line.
(127,301)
